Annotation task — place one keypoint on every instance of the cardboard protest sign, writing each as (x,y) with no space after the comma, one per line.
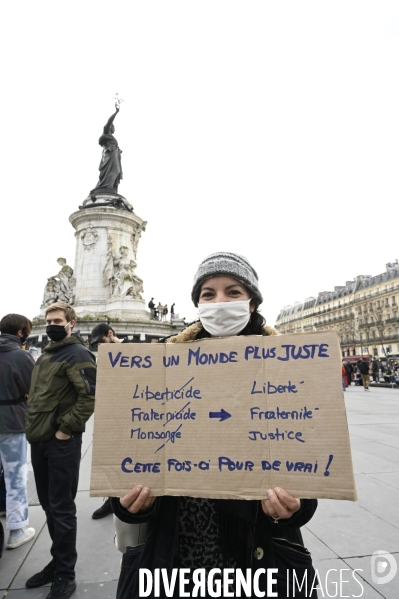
(223,418)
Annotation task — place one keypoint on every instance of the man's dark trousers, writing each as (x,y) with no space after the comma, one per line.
(56,468)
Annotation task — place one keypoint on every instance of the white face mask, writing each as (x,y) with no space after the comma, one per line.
(222,319)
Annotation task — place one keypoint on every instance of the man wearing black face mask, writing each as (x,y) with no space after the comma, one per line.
(61,400)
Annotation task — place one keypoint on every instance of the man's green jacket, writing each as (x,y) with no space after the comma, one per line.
(61,395)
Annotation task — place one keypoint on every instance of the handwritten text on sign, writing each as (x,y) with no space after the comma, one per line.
(223,418)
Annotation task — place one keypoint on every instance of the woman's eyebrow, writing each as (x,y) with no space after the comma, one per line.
(228,287)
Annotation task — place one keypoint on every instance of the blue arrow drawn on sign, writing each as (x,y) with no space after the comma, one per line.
(223,415)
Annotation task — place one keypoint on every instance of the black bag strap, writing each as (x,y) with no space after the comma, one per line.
(12,402)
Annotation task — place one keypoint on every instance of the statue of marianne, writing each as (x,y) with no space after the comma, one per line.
(110,166)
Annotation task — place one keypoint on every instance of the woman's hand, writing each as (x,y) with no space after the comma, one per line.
(137,500)
(280,504)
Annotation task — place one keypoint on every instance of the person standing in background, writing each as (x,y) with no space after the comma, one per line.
(151,306)
(364,368)
(349,371)
(16,366)
(104,333)
(374,370)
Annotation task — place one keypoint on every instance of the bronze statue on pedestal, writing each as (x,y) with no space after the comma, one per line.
(105,192)
(110,166)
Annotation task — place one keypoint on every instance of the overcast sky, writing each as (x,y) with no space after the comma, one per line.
(265,128)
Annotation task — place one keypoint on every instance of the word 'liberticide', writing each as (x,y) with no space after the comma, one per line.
(251,352)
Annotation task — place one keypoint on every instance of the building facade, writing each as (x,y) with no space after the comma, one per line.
(364,312)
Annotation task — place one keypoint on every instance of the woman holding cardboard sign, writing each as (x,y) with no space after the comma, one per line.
(199,533)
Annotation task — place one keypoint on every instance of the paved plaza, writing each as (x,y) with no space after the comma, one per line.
(342,536)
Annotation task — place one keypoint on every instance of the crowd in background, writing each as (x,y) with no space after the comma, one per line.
(359,373)
(161,311)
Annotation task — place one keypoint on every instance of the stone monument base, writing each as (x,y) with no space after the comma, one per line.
(104,286)
(122,309)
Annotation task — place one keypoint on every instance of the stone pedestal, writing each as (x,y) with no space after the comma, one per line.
(106,236)
(104,286)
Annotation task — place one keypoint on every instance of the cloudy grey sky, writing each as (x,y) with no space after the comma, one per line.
(266,128)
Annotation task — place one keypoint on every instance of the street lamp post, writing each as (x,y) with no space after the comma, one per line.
(380,328)
(358,325)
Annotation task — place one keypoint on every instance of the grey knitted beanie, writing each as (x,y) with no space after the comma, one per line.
(230,265)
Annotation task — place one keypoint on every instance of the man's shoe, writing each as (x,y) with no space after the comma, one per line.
(19,537)
(62,588)
(41,578)
(104,510)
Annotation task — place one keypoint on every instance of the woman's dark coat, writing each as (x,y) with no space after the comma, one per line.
(261,538)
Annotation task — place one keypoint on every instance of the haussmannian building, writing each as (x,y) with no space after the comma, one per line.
(364,312)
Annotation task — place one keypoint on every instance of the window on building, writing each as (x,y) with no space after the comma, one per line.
(394,300)
(386,301)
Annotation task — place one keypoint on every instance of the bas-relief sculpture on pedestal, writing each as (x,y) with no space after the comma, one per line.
(136,236)
(89,238)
